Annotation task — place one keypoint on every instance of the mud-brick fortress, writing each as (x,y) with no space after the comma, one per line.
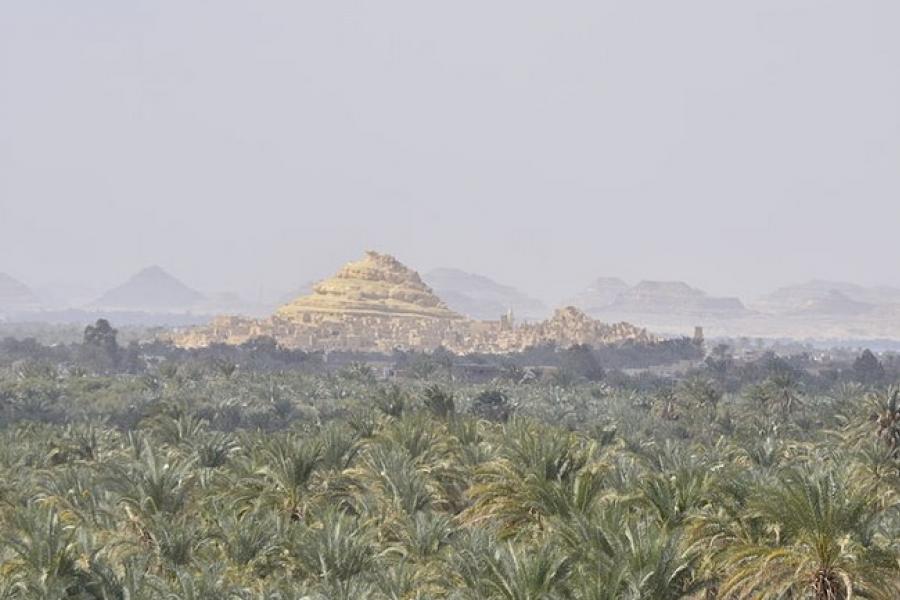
(378,305)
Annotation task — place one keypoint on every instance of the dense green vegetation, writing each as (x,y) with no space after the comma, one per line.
(149,474)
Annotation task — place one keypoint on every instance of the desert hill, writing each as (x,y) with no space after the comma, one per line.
(15,295)
(482,298)
(826,303)
(152,290)
(820,310)
(611,296)
(827,298)
(601,293)
(673,296)
(376,285)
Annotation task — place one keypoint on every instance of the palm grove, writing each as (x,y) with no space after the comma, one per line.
(258,473)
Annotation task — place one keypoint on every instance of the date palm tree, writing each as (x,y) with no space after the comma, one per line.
(335,549)
(511,573)
(886,416)
(42,554)
(785,392)
(155,485)
(822,543)
(288,464)
(539,473)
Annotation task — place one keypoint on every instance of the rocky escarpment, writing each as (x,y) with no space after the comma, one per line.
(377,304)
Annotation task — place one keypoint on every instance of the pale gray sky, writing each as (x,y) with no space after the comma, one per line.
(735,145)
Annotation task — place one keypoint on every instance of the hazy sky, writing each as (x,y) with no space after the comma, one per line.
(735,145)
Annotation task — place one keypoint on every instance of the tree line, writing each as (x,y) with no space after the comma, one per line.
(198,476)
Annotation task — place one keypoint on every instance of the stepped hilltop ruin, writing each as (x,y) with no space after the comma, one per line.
(377,304)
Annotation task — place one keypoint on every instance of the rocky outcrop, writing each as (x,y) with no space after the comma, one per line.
(378,305)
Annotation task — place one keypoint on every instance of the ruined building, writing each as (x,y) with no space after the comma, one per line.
(378,305)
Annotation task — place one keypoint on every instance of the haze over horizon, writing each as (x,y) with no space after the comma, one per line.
(240,145)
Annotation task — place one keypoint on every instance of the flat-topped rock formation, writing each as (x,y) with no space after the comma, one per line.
(608,297)
(674,296)
(378,305)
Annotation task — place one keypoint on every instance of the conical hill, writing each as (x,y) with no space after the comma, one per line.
(377,285)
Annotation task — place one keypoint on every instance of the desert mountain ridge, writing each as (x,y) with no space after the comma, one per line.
(834,297)
(599,294)
(610,295)
(815,310)
(482,298)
